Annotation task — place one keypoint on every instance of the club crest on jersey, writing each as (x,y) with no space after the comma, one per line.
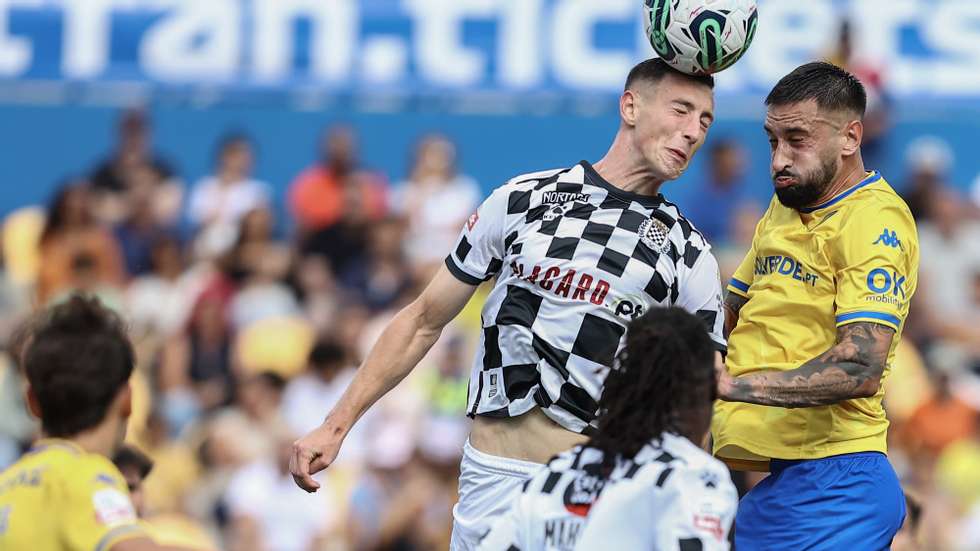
(653,234)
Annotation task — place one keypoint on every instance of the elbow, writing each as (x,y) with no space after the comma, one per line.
(869,388)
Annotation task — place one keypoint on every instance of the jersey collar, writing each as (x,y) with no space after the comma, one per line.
(594,178)
(46,443)
(871,178)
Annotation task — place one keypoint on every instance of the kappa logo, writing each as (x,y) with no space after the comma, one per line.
(889,239)
(653,234)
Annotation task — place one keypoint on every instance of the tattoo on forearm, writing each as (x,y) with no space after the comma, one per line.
(732,305)
(852,368)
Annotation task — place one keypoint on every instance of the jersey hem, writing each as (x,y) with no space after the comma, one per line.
(767,453)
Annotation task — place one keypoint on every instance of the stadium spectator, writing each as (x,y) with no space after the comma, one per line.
(319,292)
(141,228)
(950,273)
(76,249)
(321,194)
(939,422)
(131,163)
(159,302)
(928,160)
(435,201)
(134,466)
(219,202)
(381,276)
(269,513)
(195,366)
(724,192)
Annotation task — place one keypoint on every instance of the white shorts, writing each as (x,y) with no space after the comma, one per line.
(487,486)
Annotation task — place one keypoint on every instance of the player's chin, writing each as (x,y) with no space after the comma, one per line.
(674,169)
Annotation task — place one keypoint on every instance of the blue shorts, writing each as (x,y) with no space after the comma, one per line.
(851,502)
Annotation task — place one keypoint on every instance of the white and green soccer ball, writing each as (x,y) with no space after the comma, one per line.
(700,37)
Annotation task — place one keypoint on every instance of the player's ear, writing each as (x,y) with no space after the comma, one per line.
(33,405)
(628,108)
(853,134)
(125,401)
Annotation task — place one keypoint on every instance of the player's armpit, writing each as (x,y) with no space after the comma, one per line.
(850,369)
(732,305)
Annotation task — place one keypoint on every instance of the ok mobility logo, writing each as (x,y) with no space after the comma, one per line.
(888,286)
(889,239)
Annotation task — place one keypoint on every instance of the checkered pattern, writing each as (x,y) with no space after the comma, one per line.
(673,477)
(569,278)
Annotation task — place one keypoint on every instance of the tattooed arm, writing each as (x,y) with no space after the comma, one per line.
(852,368)
(733,303)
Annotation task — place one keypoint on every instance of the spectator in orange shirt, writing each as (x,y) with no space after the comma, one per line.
(317,197)
(938,422)
(76,250)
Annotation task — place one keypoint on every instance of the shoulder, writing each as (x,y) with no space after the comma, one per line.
(514,196)
(530,179)
(95,472)
(881,196)
(879,210)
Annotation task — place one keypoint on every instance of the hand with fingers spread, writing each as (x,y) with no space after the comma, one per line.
(314,453)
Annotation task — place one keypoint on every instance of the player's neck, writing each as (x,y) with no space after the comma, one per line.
(851,175)
(101,440)
(626,169)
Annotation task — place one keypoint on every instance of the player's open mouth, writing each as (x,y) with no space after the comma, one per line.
(678,153)
(784,181)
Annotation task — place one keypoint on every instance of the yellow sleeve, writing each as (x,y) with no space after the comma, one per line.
(745,273)
(96,510)
(876,258)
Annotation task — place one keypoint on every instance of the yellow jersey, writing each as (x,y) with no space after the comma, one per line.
(851,259)
(58,497)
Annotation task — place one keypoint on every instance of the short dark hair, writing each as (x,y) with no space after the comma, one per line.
(130,457)
(833,88)
(77,359)
(654,70)
(327,353)
(230,140)
(665,369)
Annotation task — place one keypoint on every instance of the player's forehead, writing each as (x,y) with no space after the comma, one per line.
(696,95)
(803,116)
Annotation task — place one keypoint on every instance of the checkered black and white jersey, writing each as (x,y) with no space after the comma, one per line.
(575,259)
(671,496)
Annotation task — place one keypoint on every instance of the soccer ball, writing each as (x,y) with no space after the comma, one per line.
(700,36)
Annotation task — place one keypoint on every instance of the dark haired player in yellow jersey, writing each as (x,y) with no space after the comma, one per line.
(65,494)
(815,312)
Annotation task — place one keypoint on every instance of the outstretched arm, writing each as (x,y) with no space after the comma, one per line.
(850,369)
(401,346)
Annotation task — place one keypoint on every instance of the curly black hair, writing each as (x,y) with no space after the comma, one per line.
(663,374)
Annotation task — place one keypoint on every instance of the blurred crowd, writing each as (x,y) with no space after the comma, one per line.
(249,326)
